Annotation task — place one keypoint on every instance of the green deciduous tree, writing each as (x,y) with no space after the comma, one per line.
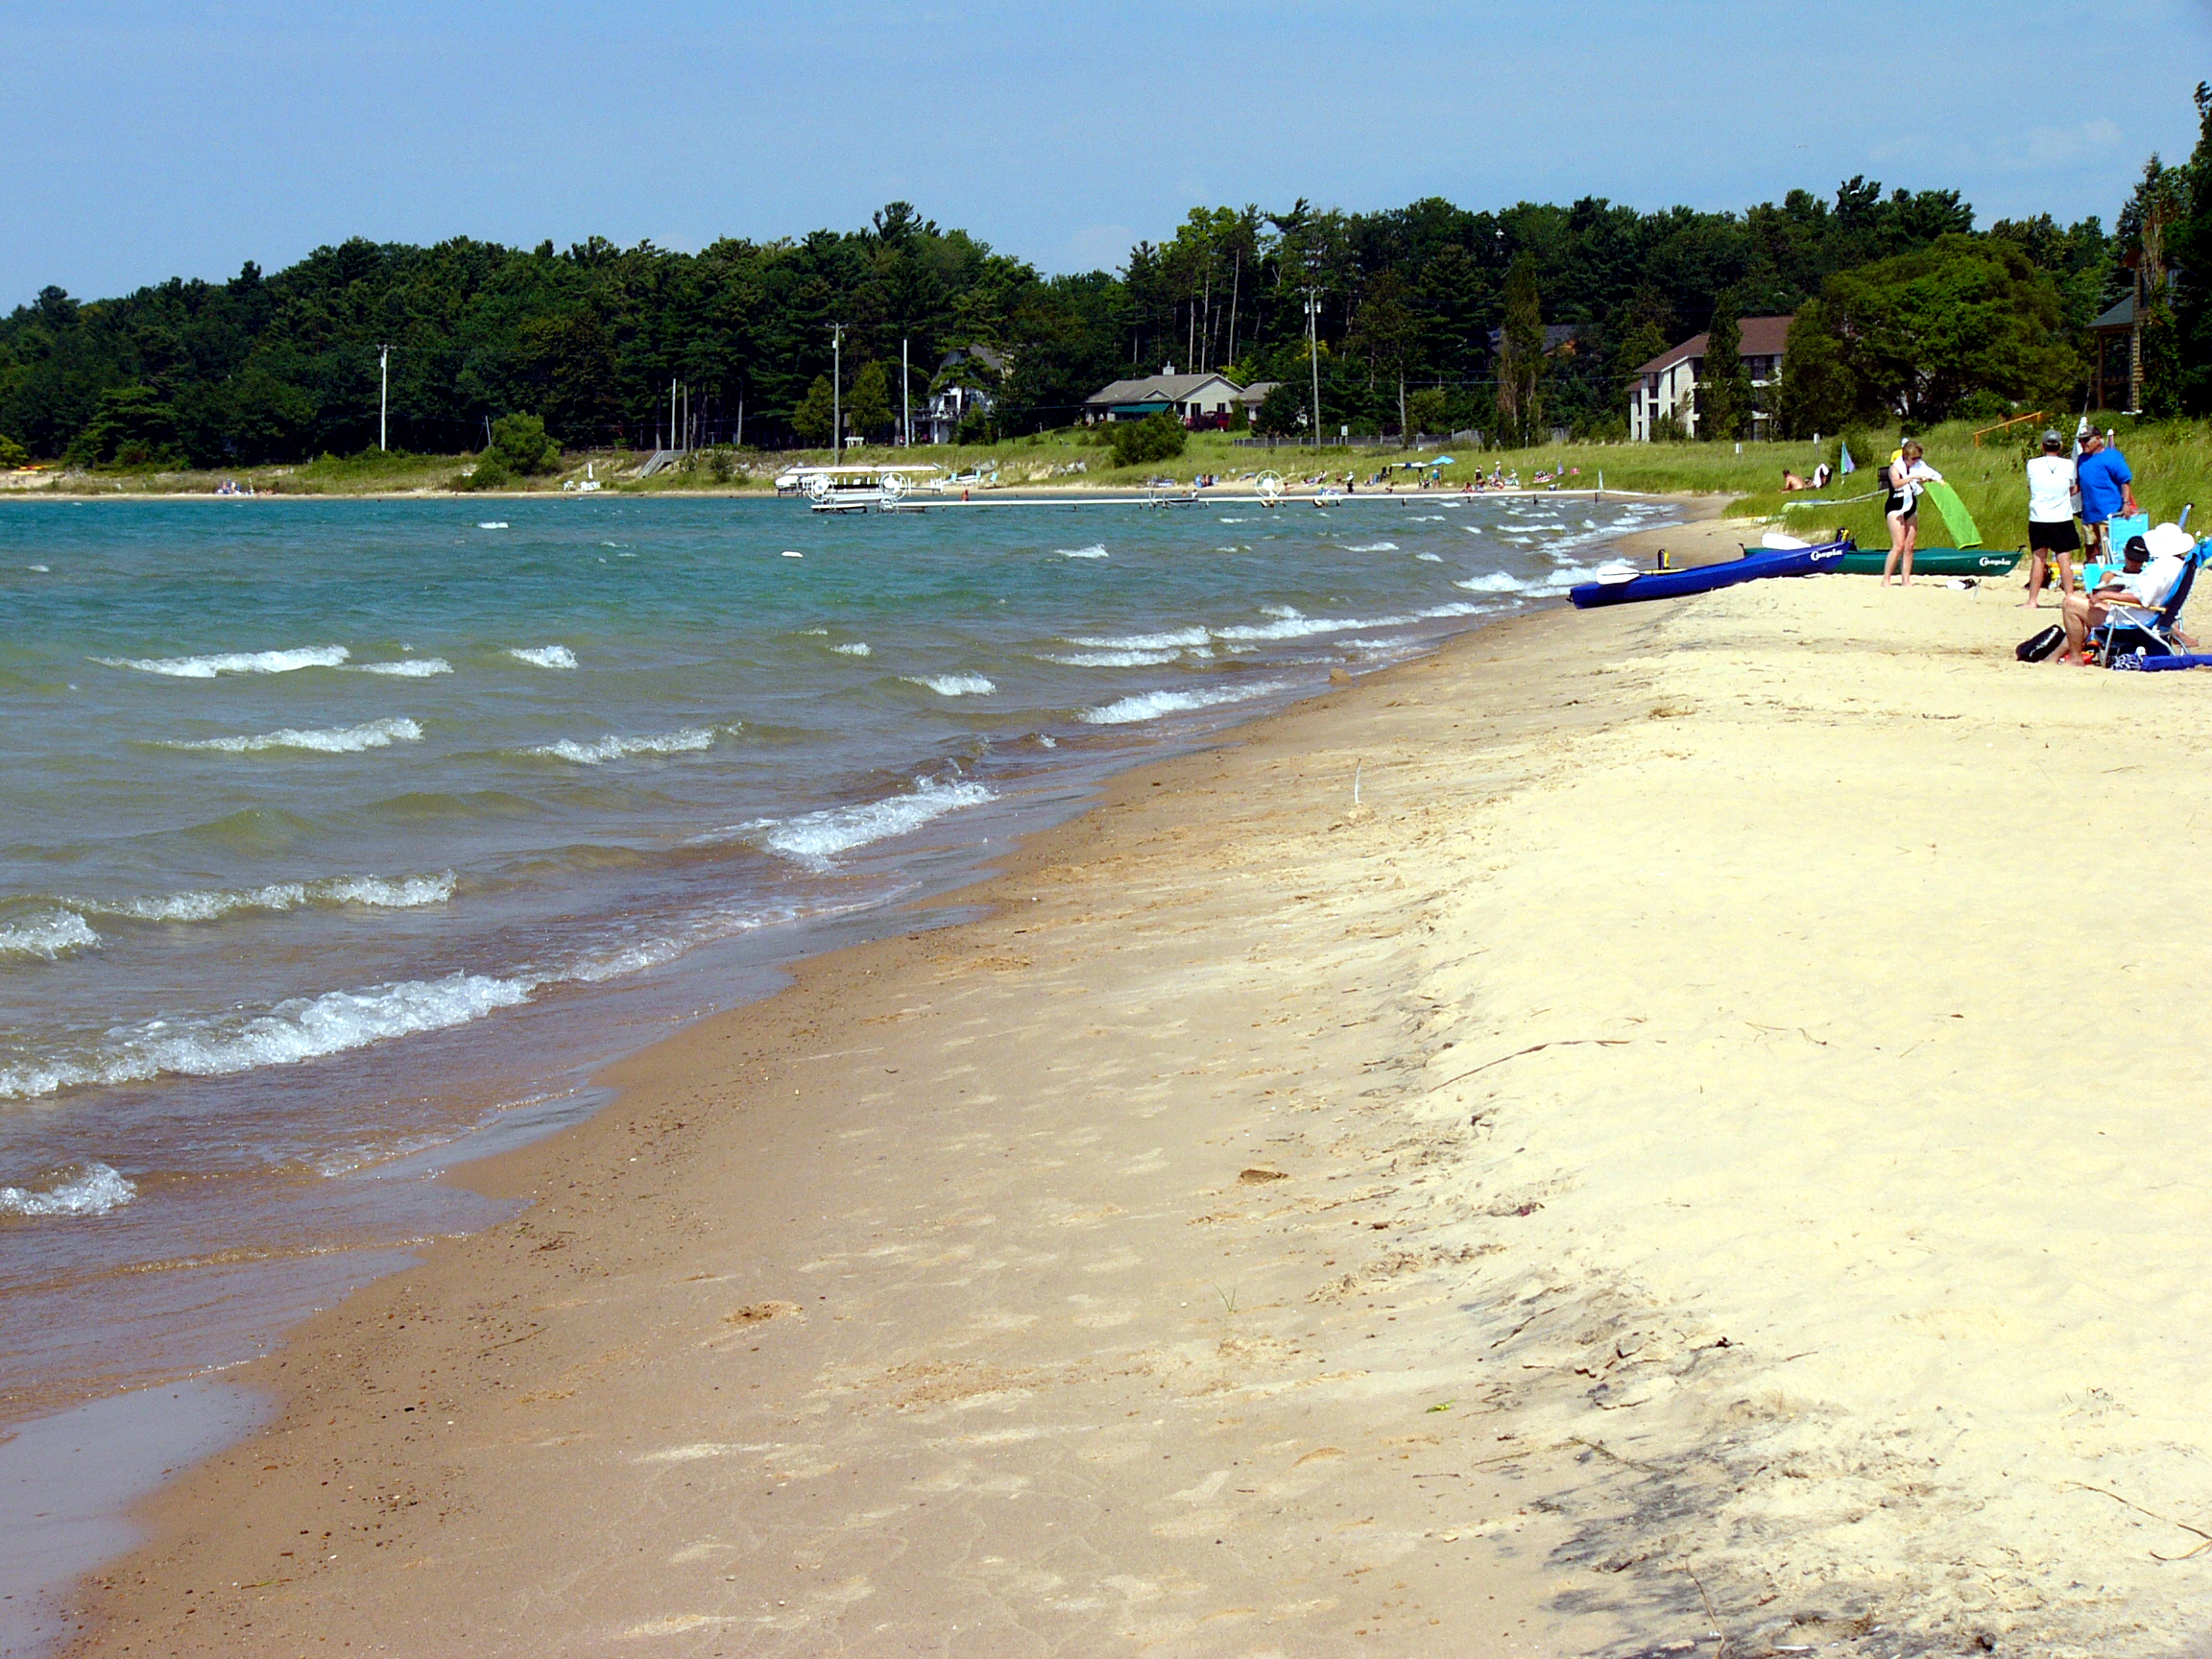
(1923,331)
(522,446)
(868,405)
(1521,354)
(1818,392)
(1155,437)
(811,419)
(1725,384)
(12,453)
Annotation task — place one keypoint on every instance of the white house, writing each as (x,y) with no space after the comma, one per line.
(1669,383)
(939,418)
(1197,400)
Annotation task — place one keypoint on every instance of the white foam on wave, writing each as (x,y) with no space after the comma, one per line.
(1094,551)
(336,741)
(407,668)
(952,685)
(1371,547)
(1176,637)
(689,741)
(1496,582)
(303,1028)
(234,662)
(858,648)
(543,656)
(47,937)
(93,1189)
(492,524)
(1152,704)
(1472,529)
(1429,558)
(1113,659)
(1292,625)
(378,892)
(816,838)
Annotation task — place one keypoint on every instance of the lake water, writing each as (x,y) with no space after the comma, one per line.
(334,833)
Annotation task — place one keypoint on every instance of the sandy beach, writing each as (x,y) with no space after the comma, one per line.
(1659,1130)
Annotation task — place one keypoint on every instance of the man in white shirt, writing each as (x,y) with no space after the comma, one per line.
(2135,595)
(2054,497)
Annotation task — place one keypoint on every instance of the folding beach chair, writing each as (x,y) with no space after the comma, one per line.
(2138,631)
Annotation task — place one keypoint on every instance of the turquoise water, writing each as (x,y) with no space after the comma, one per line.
(334,832)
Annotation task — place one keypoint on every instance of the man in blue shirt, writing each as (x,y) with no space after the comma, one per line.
(2107,488)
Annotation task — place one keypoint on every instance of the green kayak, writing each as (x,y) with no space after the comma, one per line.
(1935,562)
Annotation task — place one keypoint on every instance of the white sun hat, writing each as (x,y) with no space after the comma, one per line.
(2169,541)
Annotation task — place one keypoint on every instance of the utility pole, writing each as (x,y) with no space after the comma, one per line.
(383,392)
(671,411)
(1314,351)
(905,396)
(837,390)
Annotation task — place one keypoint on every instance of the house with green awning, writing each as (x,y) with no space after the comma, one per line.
(1199,401)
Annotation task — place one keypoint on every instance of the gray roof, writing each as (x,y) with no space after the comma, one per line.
(2121,316)
(1159,389)
(1256,392)
(990,357)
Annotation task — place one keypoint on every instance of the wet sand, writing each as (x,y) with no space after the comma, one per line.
(1651,1127)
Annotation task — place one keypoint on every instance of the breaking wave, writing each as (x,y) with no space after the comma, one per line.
(234,662)
(93,1189)
(952,685)
(543,656)
(404,893)
(337,740)
(815,839)
(1152,704)
(406,668)
(47,937)
(689,741)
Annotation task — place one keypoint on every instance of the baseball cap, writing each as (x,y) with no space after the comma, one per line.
(2051,438)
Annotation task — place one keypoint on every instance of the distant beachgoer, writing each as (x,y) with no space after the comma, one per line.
(1907,473)
(2142,584)
(1790,481)
(2052,498)
(2108,490)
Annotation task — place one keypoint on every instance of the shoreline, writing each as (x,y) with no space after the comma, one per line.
(1287,1220)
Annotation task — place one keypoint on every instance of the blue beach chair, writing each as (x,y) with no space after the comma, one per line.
(2132,633)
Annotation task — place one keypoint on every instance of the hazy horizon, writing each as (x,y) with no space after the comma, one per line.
(155,143)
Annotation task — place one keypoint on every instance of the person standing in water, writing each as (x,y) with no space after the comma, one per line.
(2052,497)
(1907,472)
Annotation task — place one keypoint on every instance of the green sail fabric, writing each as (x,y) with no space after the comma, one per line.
(1965,531)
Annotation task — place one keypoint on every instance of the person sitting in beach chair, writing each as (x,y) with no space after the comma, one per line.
(2140,604)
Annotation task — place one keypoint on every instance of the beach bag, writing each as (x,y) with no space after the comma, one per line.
(2042,645)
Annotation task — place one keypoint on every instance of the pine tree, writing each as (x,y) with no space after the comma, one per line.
(1725,384)
(811,419)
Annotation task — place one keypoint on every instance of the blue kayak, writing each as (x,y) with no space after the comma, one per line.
(1756,563)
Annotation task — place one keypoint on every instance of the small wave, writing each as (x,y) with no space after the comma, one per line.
(815,839)
(952,685)
(1371,547)
(1232,521)
(91,1191)
(858,648)
(403,893)
(492,524)
(1142,641)
(1429,558)
(1114,658)
(338,740)
(1472,529)
(234,662)
(48,937)
(1496,582)
(543,656)
(1094,551)
(1152,704)
(303,1028)
(41,569)
(408,668)
(686,741)
(1297,627)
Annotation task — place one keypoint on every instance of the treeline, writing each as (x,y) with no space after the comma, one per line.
(1431,317)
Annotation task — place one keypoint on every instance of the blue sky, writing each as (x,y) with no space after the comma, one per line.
(146,141)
